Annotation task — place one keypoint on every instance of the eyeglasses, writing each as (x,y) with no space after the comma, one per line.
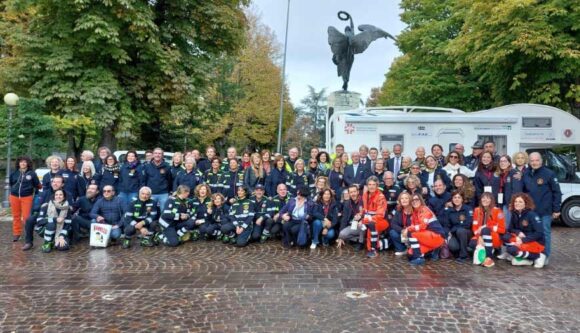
(416,200)
(313,162)
(453,156)
(107,191)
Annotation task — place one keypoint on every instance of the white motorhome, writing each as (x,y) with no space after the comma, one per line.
(518,127)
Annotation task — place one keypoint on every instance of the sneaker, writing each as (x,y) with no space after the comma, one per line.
(16,238)
(460,260)
(325,244)
(263,239)
(400,253)
(157,238)
(47,247)
(504,256)
(541,261)
(126,243)
(546,261)
(27,247)
(488,262)
(186,236)
(225,239)
(313,246)
(147,242)
(233,240)
(372,254)
(521,262)
(417,261)
(358,247)
(194,235)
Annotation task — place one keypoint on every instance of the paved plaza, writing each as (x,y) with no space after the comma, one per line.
(207,286)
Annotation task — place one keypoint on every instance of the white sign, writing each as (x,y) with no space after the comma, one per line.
(538,135)
(423,131)
(100,234)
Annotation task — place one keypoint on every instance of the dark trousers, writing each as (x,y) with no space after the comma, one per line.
(290,231)
(396,240)
(272,228)
(79,222)
(29,227)
(459,241)
(260,229)
(130,229)
(229,229)
(175,231)
(209,229)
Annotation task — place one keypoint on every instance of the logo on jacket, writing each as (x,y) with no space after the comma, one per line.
(540,181)
(462,217)
(525,223)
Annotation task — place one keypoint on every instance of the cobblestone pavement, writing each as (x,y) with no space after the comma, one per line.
(207,286)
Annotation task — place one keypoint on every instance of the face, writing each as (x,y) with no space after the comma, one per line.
(339,150)
(183,194)
(196,154)
(397,150)
(266,157)
(504,163)
(486,159)
(280,164)
(477,151)
(520,160)
(374,154)
(144,195)
(282,190)
(416,202)
(217,201)
(189,164)
(157,155)
(131,157)
(215,164)
(57,183)
(59,196)
(323,158)
(372,186)
(386,154)
(485,201)
(389,179)
(344,158)
(231,153)
(457,200)
(431,163)
(86,169)
(379,165)
(256,159)
(436,151)
(299,166)
(103,153)
(293,153)
(453,158)
(54,165)
(326,196)
(460,148)
(411,184)
(489,147)
(420,153)
(355,158)
(92,191)
(363,153)
(320,183)
(519,203)
(70,163)
(210,153)
(203,191)
(458,182)
(23,164)
(313,164)
(405,200)
(415,169)
(439,187)
(110,160)
(535,161)
(108,192)
(259,193)
(353,193)
(406,163)
(241,193)
(246,157)
(84,157)
(148,156)
(177,159)
(233,164)
(313,153)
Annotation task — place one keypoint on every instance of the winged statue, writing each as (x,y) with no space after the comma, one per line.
(345,46)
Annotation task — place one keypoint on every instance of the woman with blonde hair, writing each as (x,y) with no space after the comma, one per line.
(336,175)
(520,160)
(56,166)
(254,174)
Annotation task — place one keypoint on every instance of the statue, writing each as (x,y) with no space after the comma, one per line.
(345,46)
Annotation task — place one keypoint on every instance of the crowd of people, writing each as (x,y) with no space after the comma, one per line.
(427,207)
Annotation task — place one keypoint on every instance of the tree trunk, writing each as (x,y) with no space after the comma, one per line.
(75,149)
(108,138)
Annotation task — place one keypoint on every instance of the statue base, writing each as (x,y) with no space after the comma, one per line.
(344,100)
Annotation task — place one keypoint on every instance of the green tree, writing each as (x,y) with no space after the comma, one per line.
(314,106)
(135,67)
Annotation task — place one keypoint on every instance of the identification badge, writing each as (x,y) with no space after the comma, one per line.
(500,198)
(487,189)
(28,177)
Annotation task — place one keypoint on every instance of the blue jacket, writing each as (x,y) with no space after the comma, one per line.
(71,183)
(174,207)
(138,211)
(336,182)
(230,182)
(362,173)
(400,221)
(47,178)
(289,208)
(130,178)
(24,184)
(157,177)
(437,204)
(111,210)
(213,180)
(349,210)
(109,178)
(83,206)
(332,215)
(275,178)
(191,179)
(294,181)
(480,181)
(439,174)
(454,219)
(529,223)
(83,183)
(542,185)
(511,186)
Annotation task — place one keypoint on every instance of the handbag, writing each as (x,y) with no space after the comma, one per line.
(445,253)
(303,234)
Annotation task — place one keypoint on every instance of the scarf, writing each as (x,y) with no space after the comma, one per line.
(53,212)
(112,168)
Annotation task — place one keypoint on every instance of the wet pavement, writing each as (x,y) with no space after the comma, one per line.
(208,286)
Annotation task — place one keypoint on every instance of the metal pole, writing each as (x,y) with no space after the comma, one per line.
(279,147)
(6,202)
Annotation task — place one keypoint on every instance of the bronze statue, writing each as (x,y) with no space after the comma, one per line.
(345,46)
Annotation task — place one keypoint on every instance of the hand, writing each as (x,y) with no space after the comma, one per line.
(144,232)
(518,241)
(232,200)
(327,223)
(518,176)
(239,230)
(200,221)
(404,232)
(424,191)
(555,215)
(115,227)
(183,216)
(100,219)
(286,217)
(275,218)
(140,225)
(209,211)
(357,217)
(324,232)
(449,204)
(60,242)
(521,235)
(60,219)
(339,243)
(259,220)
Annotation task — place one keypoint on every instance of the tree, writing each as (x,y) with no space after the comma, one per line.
(252,92)
(373,99)
(303,135)
(134,67)
(314,106)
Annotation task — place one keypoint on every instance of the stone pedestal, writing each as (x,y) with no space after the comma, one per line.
(344,100)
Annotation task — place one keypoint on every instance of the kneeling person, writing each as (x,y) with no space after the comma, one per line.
(56,217)
(238,229)
(109,210)
(141,216)
(176,219)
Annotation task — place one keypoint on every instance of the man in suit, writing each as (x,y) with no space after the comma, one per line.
(394,163)
(365,160)
(355,173)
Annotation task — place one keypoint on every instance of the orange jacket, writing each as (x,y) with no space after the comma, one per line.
(421,218)
(376,205)
(495,222)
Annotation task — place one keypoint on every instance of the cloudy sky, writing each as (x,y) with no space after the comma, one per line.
(309,59)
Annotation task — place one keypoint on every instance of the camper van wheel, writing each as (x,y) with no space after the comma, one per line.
(571,213)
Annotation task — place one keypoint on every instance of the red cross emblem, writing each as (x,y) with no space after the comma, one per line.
(349,128)
(568,133)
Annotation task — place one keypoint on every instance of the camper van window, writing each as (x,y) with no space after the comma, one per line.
(536,122)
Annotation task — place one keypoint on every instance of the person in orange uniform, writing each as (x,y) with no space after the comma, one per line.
(425,234)
(375,206)
(488,227)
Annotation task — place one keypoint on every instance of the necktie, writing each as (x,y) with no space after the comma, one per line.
(396,166)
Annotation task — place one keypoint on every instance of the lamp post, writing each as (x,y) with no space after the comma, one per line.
(11,100)
(279,146)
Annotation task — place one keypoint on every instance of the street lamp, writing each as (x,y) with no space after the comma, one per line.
(281,115)
(11,100)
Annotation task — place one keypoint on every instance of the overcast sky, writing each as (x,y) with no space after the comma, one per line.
(309,59)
